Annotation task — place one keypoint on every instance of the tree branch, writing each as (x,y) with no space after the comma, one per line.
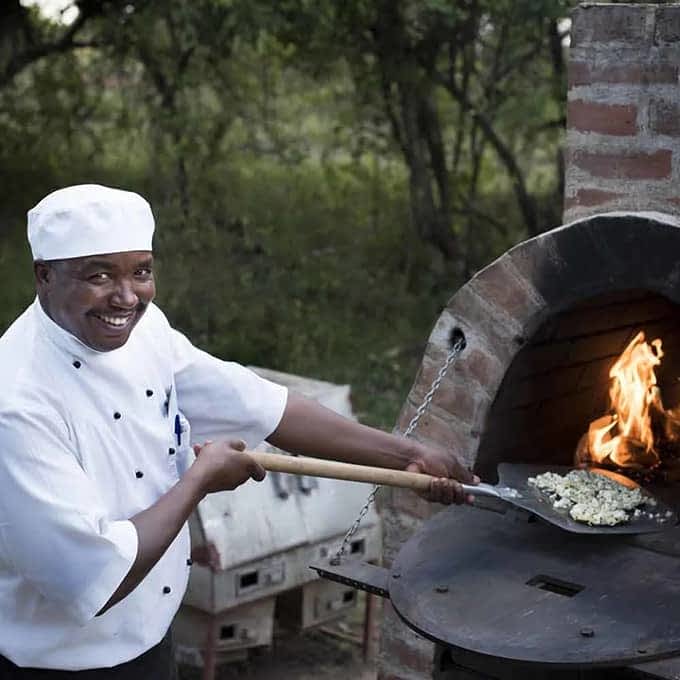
(24,58)
(526,202)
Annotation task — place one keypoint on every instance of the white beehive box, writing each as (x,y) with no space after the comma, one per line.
(260,540)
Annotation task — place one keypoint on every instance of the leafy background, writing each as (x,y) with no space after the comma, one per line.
(324,175)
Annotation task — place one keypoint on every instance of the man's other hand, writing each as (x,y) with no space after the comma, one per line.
(223,465)
(447,471)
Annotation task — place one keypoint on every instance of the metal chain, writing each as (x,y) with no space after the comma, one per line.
(456,348)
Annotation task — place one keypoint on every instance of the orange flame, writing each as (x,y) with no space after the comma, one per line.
(625,437)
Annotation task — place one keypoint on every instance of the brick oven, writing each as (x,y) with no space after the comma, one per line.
(544,323)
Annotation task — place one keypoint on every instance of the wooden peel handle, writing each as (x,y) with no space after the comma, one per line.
(314,467)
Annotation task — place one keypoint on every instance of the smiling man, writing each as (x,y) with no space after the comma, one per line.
(76,295)
(98,475)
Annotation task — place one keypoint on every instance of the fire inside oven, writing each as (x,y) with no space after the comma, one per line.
(597,385)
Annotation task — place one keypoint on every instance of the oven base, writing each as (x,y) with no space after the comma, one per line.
(460,665)
(502,587)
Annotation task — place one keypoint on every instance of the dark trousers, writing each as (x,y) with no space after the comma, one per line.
(156,664)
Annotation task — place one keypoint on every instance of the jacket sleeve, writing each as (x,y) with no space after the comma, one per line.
(222,398)
(54,530)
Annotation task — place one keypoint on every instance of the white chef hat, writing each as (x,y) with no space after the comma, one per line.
(89,219)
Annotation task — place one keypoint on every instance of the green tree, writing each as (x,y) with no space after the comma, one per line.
(288,150)
(26,37)
(470,89)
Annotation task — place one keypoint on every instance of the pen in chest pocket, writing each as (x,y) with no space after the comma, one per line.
(178,430)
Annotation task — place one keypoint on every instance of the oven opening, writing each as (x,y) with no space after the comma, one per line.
(555,585)
(595,385)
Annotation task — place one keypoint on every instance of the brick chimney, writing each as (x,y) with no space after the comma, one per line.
(623,153)
(623,115)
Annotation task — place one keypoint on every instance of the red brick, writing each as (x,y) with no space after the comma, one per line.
(474,364)
(589,197)
(583,73)
(664,117)
(468,403)
(667,28)
(640,165)
(494,325)
(454,395)
(436,431)
(503,286)
(605,314)
(483,368)
(607,119)
(527,392)
(427,373)
(608,23)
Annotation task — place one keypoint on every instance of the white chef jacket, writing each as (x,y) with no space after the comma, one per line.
(87,440)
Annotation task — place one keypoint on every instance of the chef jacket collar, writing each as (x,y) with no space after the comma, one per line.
(66,341)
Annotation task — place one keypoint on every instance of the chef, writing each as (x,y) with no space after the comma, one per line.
(98,475)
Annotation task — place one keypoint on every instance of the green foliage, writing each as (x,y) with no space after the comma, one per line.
(260,134)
